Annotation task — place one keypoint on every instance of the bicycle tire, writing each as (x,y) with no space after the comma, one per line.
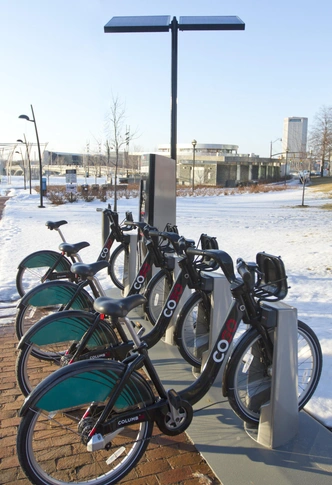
(156,294)
(51,445)
(192,329)
(33,268)
(49,298)
(248,382)
(116,268)
(56,347)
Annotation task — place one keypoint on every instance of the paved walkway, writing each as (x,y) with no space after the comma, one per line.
(167,461)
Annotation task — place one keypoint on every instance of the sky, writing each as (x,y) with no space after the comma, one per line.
(243,224)
(234,87)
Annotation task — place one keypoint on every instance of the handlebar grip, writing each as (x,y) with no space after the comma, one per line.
(243,271)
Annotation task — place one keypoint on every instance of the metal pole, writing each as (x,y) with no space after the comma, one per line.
(40,162)
(174,88)
(194,142)
(29,161)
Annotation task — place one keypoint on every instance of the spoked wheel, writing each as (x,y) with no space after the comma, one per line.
(117,263)
(192,329)
(52,449)
(248,378)
(156,294)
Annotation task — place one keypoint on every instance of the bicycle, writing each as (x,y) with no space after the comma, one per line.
(54,296)
(101,414)
(48,265)
(68,336)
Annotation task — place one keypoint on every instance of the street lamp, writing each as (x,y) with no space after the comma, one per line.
(163,23)
(23,163)
(271,143)
(25,117)
(28,156)
(286,166)
(194,143)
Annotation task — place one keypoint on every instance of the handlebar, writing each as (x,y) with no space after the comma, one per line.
(221,257)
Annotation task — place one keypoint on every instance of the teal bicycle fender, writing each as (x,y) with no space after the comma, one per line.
(82,383)
(63,327)
(56,293)
(45,258)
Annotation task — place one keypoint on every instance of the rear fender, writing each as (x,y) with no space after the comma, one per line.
(65,326)
(56,293)
(45,258)
(81,383)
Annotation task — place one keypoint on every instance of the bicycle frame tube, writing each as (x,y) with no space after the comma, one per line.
(142,274)
(106,250)
(217,357)
(168,311)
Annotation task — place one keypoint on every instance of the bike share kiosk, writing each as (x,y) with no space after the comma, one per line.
(157,205)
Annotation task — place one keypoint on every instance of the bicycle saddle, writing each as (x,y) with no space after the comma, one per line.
(88,270)
(118,308)
(70,249)
(54,225)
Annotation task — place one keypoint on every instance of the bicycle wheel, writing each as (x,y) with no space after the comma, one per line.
(51,449)
(49,298)
(156,294)
(192,329)
(116,269)
(57,353)
(248,379)
(35,266)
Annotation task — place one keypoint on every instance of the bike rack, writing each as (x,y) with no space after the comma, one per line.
(221,299)
(130,260)
(278,422)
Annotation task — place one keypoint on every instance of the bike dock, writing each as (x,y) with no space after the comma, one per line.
(231,452)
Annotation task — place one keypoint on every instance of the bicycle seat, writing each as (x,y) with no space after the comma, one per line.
(54,225)
(70,249)
(118,308)
(88,270)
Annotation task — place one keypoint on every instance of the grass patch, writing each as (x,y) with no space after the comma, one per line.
(327,207)
(322,184)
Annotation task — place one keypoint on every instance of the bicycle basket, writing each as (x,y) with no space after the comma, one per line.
(272,283)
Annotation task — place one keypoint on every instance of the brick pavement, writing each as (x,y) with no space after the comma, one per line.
(167,461)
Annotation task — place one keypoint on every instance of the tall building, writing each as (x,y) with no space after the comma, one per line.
(295,136)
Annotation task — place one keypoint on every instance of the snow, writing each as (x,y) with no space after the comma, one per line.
(244,224)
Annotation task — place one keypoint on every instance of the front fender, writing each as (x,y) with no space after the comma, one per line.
(66,326)
(84,382)
(55,293)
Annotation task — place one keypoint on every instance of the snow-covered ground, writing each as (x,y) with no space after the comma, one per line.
(244,224)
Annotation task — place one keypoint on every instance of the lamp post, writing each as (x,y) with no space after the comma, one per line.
(194,143)
(23,163)
(25,117)
(28,156)
(286,166)
(271,143)
(162,23)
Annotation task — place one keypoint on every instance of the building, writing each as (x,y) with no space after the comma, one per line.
(294,138)
(221,165)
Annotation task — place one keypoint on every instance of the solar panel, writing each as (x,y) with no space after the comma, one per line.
(230,22)
(150,23)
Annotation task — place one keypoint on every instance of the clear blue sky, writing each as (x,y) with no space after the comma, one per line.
(233,87)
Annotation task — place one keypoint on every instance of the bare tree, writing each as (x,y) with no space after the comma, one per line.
(321,135)
(118,135)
